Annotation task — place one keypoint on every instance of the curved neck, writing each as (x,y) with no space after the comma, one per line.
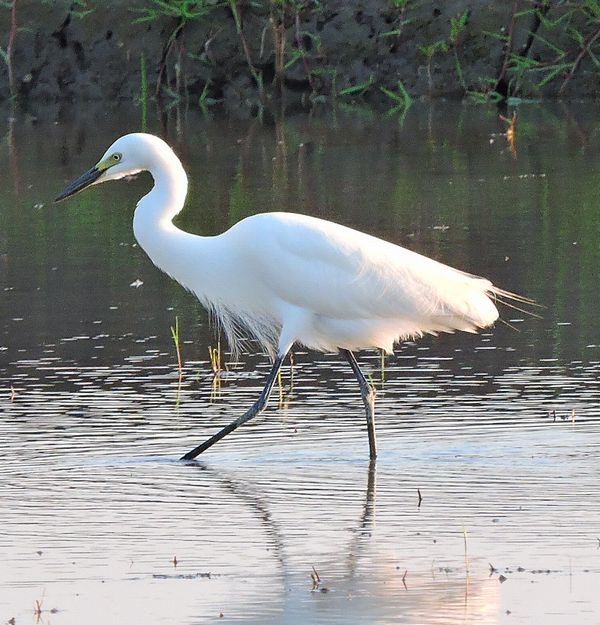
(154,213)
(167,196)
(188,258)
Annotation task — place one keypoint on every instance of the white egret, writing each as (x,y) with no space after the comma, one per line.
(284,278)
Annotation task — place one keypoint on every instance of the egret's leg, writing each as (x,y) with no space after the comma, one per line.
(249,414)
(368,396)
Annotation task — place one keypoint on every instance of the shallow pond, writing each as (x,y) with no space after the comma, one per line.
(498,433)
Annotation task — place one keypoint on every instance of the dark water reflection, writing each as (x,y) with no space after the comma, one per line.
(499,431)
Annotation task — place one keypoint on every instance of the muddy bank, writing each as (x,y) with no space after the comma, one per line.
(242,52)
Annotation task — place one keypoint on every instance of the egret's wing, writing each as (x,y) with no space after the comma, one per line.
(341,273)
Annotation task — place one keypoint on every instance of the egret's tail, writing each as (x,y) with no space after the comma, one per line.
(506,297)
(477,309)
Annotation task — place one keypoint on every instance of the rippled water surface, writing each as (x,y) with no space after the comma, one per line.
(285,521)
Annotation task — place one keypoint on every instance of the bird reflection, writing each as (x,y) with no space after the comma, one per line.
(358,576)
(252,497)
(366,521)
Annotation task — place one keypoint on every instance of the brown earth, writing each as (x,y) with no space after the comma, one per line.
(97,51)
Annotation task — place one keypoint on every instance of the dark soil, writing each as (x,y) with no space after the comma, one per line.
(300,50)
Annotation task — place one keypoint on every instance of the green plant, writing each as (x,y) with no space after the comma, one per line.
(399,22)
(547,56)
(486,92)
(458,26)
(402,98)
(287,12)
(204,100)
(429,51)
(256,74)
(183,11)
(4,56)
(532,68)
(295,55)
(176,342)
(214,354)
(80,9)
(358,89)
(585,40)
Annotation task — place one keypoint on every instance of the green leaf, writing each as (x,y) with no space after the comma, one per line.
(391,33)
(402,98)
(296,54)
(552,74)
(360,88)
(549,44)
(499,36)
(576,35)
(594,7)
(457,25)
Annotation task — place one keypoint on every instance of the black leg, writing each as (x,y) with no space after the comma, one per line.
(367,393)
(249,414)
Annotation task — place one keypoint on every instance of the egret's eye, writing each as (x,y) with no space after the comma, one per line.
(116,157)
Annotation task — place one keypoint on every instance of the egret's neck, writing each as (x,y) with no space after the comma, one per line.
(152,221)
(167,197)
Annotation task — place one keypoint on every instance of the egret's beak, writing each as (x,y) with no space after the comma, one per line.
(85,180)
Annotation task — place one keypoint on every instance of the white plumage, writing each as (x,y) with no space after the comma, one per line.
(284,278)
(292,278)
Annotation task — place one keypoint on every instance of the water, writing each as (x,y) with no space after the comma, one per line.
(499,432)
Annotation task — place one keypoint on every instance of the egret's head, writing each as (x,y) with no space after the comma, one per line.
(126,156)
